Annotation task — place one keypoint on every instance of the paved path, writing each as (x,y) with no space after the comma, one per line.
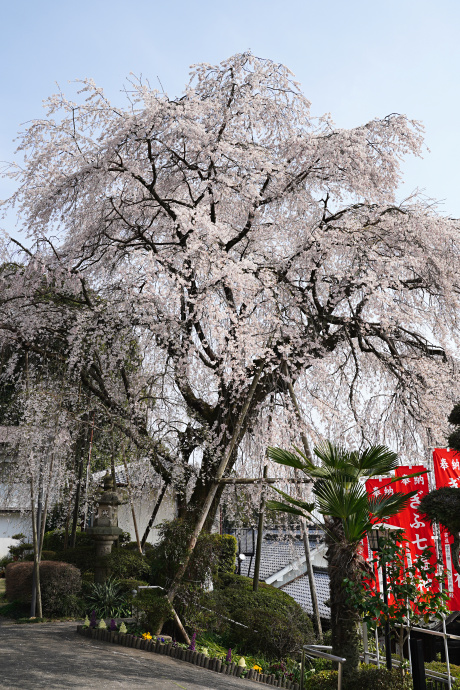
(52,655)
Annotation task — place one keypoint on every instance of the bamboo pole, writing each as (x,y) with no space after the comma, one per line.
(303,522)
(133,512)
(88,467)
(36,606)
(154,513)
(260,536)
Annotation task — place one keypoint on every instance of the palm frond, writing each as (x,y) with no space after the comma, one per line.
(333,456)
(339,499)
(284,508)
(309,507)
(387,506)
(285,457)
(376,460)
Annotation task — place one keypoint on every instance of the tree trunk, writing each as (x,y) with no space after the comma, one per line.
(342,564)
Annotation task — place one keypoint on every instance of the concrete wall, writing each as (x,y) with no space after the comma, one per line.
(13,523)
(143,509)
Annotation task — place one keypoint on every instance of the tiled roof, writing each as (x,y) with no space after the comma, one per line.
(275,555)
(300,591)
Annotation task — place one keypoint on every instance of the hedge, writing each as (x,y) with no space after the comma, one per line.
(125,564)
(82,557)
(367,678)
(213,554)
(60,585)
(282,625)
(54,539)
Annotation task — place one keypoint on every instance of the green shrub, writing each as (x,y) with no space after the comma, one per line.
(129,585)
(46,556)
(153,608)
(125,564)
(82,557)
(15,610)
(213,554)
(54,539)
(323,680)
(281,624)
(87,577)
(227,556)
(132,546)
(3,563)
(60,585)
(367,678)
(107,599)
(193,608)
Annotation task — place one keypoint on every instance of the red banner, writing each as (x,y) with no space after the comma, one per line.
(419,533)
(447,473)
(379,488)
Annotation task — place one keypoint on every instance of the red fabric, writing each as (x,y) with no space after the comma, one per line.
(379,487)
(447,473)
(418,532)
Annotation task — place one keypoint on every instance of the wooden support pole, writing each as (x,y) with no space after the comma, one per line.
(264,480)
(36,606)
(260,536)
(133,512)
(303,523)
(156,508)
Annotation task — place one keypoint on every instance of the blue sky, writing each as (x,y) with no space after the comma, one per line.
(355,59)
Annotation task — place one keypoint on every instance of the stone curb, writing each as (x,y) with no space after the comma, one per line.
(196,658)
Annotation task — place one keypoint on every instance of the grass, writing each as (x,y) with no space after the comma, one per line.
(2,588)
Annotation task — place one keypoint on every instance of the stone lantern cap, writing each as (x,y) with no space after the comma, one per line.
(109,496)
(106,520)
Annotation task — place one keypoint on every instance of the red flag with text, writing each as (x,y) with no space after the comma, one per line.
(447,473)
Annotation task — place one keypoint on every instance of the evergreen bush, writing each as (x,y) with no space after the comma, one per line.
(127,586)
(213,554)
(276,624)
(153,608)
(54,539)
(126,564)
(60,585)
(366,678)
(82,557)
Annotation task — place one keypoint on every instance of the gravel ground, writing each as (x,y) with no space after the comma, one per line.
(52,655)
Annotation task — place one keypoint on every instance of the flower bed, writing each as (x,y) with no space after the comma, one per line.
(160,645)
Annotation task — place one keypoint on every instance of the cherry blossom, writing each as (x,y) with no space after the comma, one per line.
(182,247)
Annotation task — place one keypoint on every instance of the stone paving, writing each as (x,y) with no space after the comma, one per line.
(52,655)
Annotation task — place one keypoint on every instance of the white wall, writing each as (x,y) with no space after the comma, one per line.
(12,523)
(143,510)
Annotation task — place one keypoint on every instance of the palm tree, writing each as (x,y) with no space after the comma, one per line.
(348,512)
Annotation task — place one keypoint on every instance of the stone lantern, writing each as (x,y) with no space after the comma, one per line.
(105,530)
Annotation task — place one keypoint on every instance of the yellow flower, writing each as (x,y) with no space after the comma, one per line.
(147,636)
(257,668)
